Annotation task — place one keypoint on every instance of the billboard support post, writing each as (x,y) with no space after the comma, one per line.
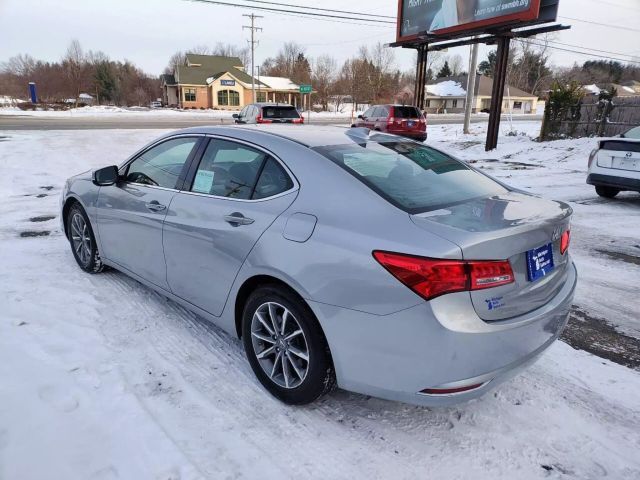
(497,93)
(421,76)
(471,87)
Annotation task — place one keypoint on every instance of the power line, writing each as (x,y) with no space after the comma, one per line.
(312,14)
(618,27)
(588,48)
(581,53)
(321,9)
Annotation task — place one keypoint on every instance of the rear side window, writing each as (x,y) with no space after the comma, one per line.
(406,112)
(633,133)
(413,177)
(280,112)
(235,170)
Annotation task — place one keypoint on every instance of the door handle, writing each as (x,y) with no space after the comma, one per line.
(236,219)
(155,206)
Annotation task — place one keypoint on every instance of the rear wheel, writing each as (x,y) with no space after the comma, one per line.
(83,241)
(285,346)
(607,192)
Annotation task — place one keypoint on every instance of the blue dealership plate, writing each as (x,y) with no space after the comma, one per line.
(411,124)
(539,262)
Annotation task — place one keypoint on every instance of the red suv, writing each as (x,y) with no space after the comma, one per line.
(395,119)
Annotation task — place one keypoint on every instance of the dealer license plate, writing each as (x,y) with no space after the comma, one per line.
(539,262)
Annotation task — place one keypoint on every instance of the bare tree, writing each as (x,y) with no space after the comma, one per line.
(456,65)
(229,50)
(323,76)
(73,62)
(21,65)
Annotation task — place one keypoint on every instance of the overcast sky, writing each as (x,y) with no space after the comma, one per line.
(147,32)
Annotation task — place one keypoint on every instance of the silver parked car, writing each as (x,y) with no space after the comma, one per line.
(339,256)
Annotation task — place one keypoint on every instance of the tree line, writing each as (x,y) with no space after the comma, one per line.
(369,76)
(108,81)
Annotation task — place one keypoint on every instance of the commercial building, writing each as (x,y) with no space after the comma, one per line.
(212,81)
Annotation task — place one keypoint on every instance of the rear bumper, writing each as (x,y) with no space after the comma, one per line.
(622,183)
(429,347)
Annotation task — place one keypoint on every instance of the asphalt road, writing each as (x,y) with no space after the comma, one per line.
(23,122)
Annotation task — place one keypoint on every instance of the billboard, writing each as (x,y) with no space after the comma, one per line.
(444,17)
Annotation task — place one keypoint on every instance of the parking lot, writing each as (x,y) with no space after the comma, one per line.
(101,368)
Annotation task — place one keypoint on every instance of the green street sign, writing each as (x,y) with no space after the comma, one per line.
(305,89)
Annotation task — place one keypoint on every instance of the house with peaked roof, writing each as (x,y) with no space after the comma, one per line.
(213,81)
(450,94)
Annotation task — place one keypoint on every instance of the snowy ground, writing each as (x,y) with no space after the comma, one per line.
(100,378)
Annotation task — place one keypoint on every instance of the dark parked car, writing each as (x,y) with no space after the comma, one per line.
(269,113)
(396,119)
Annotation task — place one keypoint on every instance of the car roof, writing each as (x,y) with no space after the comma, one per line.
(272,104)
(307,135)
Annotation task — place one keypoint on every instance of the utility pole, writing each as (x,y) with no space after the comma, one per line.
(471,86)
(253,43)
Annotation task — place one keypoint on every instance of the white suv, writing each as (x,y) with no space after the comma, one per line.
(614,165)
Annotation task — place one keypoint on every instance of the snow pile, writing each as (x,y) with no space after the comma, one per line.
(104,379)
(593,89)
(448,88)
(279,83)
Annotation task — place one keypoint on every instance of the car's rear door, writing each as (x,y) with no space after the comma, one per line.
(234,195)
(131,212)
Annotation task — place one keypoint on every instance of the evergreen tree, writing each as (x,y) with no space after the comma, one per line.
(445,71)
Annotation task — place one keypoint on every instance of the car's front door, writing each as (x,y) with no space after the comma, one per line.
(131,212)
(236,193)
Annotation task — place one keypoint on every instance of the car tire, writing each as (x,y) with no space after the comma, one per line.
(607,192)
(83,241)
(277,352)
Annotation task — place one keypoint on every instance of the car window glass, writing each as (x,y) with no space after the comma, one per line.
(406,112)
(273,180)
(383,112)
(161,165)
(228,169)
(280,112)
(414,177)
(633,133)
(368,112)
(374,112)
(243,112)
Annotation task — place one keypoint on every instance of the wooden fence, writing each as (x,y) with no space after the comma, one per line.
(605,118)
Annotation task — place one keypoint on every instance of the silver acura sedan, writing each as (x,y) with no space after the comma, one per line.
(340,256)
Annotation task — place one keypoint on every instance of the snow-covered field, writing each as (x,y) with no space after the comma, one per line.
(100,378)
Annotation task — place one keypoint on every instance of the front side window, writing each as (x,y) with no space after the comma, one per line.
(411,176)
(234,170)
(161,165)
(189,94)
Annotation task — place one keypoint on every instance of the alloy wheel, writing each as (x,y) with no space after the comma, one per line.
(280,345)
(81,238)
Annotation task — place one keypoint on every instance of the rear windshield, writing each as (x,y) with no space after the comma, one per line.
(411,176)
(406,112)
(279,112)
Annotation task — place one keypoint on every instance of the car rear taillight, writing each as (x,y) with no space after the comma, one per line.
(592,157)
(391,120)
(565,240)
(298,120)
(432,277)
(259,119)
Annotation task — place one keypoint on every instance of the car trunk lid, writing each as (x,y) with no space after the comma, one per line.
(506,227)
(619,154)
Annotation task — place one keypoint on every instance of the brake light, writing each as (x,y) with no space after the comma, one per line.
(431,277)
(391,121)
(259,119)
(565,240)
(298,120)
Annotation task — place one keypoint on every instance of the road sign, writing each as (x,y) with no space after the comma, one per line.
(305,89)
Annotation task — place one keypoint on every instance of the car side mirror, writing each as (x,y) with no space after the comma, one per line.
(105,176)
(360,117)
(235,115)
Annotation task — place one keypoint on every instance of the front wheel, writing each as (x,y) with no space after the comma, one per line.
(607,192)
(83,241)
(286,347)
